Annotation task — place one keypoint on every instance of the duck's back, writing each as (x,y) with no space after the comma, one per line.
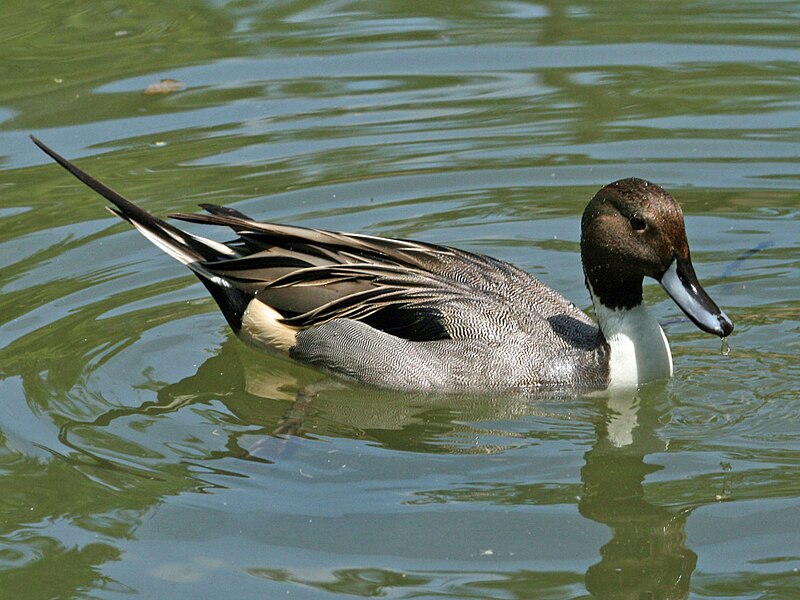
(492,326)
(400,313)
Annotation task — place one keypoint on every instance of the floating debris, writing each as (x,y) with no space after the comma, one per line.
(165,86)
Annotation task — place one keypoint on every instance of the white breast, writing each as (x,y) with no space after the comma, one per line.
(639,351)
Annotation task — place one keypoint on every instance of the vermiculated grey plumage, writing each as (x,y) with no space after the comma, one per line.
(399,313)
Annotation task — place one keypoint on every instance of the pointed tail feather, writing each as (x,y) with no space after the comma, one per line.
(191,250)
(183,246)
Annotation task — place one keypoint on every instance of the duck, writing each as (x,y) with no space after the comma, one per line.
(409,315)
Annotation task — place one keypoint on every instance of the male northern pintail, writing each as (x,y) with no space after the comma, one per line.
(411,315)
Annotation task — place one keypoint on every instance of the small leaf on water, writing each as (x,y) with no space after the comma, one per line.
(165,86)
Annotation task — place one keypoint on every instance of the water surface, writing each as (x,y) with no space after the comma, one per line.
(138,444)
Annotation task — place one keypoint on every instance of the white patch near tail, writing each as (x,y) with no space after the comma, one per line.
(221,248)
(175,250)
(262,327)
(178,251)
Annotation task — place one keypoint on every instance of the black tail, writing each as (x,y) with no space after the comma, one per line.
(193,251)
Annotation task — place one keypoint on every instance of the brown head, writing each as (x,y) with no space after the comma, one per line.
(633,229)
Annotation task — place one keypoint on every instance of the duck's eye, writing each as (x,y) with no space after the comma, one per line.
(638,223)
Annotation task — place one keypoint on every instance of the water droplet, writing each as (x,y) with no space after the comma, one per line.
(725,349)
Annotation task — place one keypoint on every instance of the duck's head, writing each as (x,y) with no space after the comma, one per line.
(631,229)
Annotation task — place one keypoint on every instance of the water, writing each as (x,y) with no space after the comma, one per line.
(137,442)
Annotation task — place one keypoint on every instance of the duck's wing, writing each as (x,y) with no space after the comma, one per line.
(309,277)
(410,289)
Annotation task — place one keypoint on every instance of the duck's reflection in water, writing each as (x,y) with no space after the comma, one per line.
(646,556)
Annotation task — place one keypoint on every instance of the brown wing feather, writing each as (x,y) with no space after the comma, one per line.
(311,276)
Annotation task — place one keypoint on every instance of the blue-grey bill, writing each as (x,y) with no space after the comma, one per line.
(680,282)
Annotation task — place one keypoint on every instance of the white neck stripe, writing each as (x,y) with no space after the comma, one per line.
(639,351)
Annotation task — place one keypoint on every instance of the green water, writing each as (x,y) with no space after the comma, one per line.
(137,453)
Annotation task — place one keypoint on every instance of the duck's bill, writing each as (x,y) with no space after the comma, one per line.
(681,284)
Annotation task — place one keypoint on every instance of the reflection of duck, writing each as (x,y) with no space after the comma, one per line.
(280,400)
(405,314)
(647,555)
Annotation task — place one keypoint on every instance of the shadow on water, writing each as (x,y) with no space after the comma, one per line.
(646,557)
